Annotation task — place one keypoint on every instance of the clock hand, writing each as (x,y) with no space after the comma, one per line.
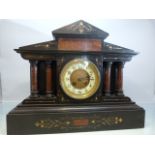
(83,78)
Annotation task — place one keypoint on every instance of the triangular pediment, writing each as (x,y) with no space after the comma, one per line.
(80,29)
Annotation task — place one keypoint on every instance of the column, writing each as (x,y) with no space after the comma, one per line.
(119,78)
(107,78)
(48,79)
(34,78)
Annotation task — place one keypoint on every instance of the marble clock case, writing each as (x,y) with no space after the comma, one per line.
(49,110)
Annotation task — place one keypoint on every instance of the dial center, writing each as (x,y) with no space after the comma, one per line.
(80,78)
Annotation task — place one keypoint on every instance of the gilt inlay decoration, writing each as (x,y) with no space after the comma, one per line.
(79,122)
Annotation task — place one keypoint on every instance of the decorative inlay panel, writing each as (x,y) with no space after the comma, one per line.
(79,122)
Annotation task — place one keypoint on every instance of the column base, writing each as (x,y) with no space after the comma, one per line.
(49,95)
(119,93)
(107,94)
(35,94)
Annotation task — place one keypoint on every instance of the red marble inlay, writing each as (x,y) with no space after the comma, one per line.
(80,122)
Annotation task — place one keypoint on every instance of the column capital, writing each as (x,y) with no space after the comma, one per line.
(33,62)
(48,62)
(109,63)
(122,63)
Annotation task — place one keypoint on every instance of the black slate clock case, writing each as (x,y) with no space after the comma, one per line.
(49,110)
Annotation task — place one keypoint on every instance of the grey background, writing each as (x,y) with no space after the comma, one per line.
(139,35)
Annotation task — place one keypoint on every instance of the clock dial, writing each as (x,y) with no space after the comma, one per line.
(80,78)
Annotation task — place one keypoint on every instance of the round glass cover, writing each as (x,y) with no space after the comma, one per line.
(80,78)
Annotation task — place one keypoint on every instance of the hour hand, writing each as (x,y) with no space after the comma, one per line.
(83,78)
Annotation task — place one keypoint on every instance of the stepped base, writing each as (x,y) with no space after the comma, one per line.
(106,100)
(45,119)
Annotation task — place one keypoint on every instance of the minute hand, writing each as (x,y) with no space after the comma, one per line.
(85,78)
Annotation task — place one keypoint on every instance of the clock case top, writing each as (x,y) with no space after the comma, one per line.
(78,30)
(83,31)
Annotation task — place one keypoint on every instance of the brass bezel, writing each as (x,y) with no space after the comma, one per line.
(92,91)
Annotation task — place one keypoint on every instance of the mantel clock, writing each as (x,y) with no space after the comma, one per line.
(76,85)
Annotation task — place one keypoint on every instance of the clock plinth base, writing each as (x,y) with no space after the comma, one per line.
(33,119)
